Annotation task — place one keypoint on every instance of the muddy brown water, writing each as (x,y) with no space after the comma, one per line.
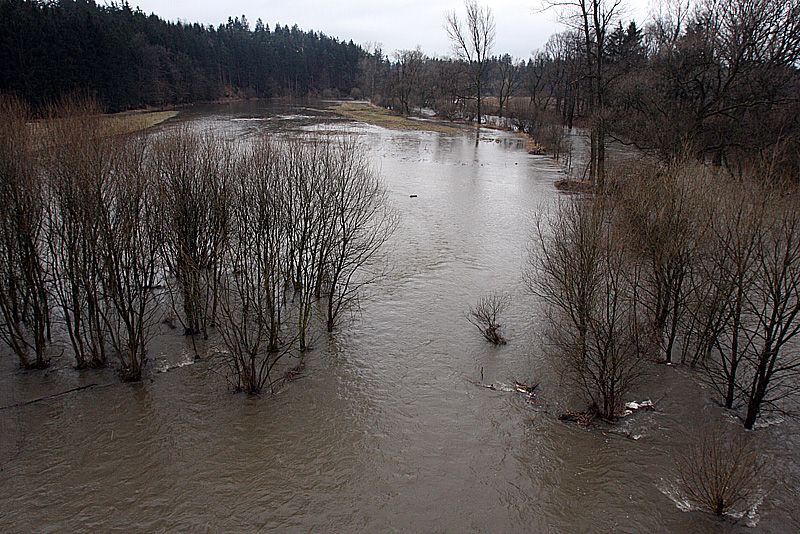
(386,430)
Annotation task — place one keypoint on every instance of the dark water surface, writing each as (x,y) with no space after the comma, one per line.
(386,431)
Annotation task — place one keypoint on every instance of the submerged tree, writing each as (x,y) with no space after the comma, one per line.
(130,243)
(581,271)
(362,223)
(251,313)
(194,171)
(24,299)
(720,472)
(485,316)
(79,148)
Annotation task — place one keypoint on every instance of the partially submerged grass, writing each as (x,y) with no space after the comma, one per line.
(371,114)
(115,124)
(134,121)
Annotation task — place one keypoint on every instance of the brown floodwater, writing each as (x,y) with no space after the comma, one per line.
(386,431)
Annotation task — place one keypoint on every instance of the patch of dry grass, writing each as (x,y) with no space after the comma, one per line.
(371,114)
(129,122)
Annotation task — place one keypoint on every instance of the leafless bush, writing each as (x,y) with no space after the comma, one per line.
(130,243)
(663,210)
(77,152)
(194,171)
(485,316)
(583,273)
(24,299)
(720,472)
(251,312)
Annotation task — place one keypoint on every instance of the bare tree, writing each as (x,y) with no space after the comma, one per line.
(582,272)
(130,244)
(593,19)
(663,208)
(473,44)
(407,79)
(774,302)
(24,299)
(194,171)
(251,312)
(78,150)
(362,223)
(508,80)
(720,472)
(485,316)
(305,189)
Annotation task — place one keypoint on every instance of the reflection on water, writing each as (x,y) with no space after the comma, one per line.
(385,430)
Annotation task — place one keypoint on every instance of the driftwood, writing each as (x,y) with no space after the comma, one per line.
(54,395)
(528,390)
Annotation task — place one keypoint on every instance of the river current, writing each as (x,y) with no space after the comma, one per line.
(386,430)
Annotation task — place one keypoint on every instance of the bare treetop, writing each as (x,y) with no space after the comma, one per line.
(475,42)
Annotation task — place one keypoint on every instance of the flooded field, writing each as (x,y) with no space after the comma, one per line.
(387,430)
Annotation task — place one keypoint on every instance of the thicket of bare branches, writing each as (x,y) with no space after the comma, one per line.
(193,172)
(485,316)
(720,258)
(583,274)
(256,239)
(24,299)
(720,472)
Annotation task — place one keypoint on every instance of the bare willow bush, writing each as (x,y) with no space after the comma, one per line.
(24,299)
(721,472)
(251,313)
(662,208)
(485,316)
(583,274)
(193,172)
(77,155)
(363,221)
(129,249)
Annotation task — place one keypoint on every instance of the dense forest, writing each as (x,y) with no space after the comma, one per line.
(127,59)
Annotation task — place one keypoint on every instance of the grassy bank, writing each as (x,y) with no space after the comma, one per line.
(134,121)
(371,114)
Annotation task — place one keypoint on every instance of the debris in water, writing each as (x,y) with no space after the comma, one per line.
(529,391)
(295,372)
(633,406)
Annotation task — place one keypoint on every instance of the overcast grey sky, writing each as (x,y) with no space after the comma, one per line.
(397,24)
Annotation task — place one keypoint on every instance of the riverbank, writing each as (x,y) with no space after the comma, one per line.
(136,121)
(378,116)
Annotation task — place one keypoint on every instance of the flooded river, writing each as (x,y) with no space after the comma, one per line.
(386,431)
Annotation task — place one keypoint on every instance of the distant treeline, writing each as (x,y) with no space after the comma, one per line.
(127,59)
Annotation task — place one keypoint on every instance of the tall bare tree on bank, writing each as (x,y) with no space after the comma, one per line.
(473,44)
(406,81)
(508,74)
(593,19)
(24,300)
(193,172)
